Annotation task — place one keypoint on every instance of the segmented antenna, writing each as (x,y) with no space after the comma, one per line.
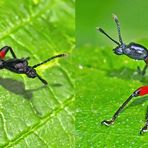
(102,31)
(118,27)
(54,57)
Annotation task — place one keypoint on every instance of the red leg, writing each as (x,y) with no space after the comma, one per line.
(139,92)
(4,50)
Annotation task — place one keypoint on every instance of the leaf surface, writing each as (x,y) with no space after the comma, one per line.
(103,82)
(33,115)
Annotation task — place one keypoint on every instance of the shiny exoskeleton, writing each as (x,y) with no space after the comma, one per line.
(21,66)
(137,52)
(132,50)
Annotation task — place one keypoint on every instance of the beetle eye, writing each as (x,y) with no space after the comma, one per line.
(118,51)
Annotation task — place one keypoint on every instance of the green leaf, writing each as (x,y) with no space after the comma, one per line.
(33,115)
(103,82)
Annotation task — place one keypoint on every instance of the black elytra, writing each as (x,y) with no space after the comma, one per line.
(132,50)
(21,66)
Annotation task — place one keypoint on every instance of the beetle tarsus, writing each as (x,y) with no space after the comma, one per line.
(107,122)
(144,130)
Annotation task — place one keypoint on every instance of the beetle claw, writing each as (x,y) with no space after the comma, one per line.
(144,130)
(107,122)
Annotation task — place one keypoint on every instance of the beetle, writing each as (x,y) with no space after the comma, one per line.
(21,66)
(132,50)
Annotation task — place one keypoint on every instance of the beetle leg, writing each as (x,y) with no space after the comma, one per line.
(109,122)
(139,70)
(139,92)
(145,128)
(42,80)
(143,71)
(4,50)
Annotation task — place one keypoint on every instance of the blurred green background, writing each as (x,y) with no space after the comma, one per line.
(103,79)
(133,17)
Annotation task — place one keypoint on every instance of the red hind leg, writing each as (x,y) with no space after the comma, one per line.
(4,50)
(139,92)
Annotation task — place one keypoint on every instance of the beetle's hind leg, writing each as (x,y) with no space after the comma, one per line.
(145,128)
(116,114)
(4,50)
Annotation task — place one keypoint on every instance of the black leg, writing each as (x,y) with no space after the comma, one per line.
(109,122)
(4,50)
(145,128)
(144,69)
(142,72)
(139,70)
(42,80)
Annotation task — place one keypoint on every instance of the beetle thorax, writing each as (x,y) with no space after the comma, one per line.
(136,51)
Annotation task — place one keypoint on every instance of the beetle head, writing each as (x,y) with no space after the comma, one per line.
(119,50)
(31,73)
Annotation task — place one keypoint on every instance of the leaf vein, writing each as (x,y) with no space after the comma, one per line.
(26,21)
(44,120)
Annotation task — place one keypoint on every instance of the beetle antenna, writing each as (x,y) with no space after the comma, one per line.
(54,57)
(102,31)
(118,28)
